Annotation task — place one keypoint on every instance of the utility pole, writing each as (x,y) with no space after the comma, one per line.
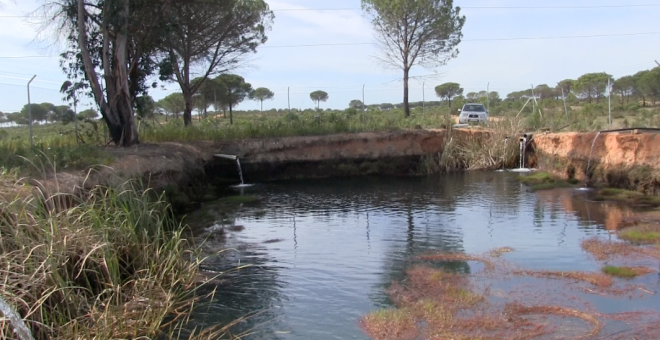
(609,98)
(534,100)
(488,98)
(424,99)
(30,112)
(288,94)
(364,105)
(565,106)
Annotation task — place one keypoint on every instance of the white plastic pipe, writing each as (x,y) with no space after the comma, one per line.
(231,157)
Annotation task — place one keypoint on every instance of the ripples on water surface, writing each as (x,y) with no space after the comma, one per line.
(322,252)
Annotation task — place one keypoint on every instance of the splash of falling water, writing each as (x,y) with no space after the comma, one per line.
(21,330)
(590,153)
(240,171)
(522,156)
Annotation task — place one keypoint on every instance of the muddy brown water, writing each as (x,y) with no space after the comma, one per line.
(320,254)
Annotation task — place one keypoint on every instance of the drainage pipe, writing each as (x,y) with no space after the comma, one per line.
(230,157)
(631,129)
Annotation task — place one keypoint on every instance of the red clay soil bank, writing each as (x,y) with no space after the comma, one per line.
(374,153)
(624,159)
(370,146)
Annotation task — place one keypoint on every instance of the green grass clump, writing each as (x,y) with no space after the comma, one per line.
(626,272)
(627,196)
(637,235)
(104,265)
(542,181)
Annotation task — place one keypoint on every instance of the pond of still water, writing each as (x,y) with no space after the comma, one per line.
(320,254)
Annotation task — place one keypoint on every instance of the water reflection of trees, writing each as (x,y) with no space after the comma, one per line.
(590,214)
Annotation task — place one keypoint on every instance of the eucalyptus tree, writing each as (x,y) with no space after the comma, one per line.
(236,91)
(415,32)
(318,97)
(449,91)
(111,45)
(212,36)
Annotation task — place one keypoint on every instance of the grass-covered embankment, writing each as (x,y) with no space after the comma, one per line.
(110,263)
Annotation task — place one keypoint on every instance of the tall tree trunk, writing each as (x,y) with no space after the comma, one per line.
(187,111)
(262,106)
(406,105)
(118,112)
(231,116)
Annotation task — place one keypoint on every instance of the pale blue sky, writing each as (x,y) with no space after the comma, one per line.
(509,65)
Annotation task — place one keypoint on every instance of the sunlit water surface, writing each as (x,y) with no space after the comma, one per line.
(321,253)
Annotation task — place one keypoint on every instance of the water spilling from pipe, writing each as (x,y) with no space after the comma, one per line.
(240,171)
(522,168)
(522,154)
(592,150)
(20,328)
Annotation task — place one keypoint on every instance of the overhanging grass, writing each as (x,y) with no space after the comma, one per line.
(107,264)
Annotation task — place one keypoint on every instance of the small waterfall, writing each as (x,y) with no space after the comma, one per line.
(590,153)
(20,328)
(522,153)
(240,171)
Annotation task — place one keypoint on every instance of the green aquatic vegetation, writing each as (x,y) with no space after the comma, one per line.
(542,181)
(627,196)
(626,272)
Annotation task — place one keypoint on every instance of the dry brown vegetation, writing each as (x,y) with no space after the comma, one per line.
(433,303)
(606,250)
(596,279)
(112,265)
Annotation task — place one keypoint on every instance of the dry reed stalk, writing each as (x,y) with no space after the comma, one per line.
(605,250)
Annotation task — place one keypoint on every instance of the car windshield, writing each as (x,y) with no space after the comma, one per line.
(474,108)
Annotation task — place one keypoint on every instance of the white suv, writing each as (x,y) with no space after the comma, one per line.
(473,113)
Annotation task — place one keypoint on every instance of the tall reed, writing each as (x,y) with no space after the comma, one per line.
(106,263)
